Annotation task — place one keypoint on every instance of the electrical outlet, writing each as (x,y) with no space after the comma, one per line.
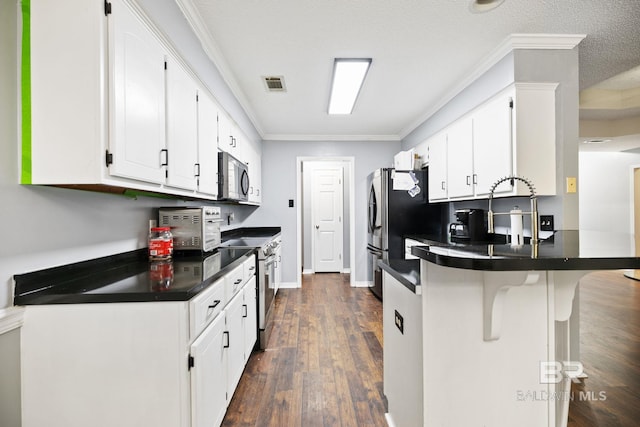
(546,223)
(571,184)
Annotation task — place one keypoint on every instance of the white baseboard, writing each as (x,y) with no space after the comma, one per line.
(346,271)
(365,284)
(10,319)
(289,285)
(308,271)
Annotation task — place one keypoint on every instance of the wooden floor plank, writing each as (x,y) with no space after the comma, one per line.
(610,353)
(323,363)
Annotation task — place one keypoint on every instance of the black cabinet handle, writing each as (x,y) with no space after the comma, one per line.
(215,303)
(226,334)
(166,157)
(237,281)
(246,311)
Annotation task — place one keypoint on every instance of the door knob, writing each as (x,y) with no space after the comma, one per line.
(317,227)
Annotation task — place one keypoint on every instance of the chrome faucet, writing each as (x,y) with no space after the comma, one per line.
(534,206)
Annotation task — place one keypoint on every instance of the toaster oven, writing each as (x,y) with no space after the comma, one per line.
(195,228)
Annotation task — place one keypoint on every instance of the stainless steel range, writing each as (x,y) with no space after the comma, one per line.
(267,285)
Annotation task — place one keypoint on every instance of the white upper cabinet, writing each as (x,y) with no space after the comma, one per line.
(492,143)
(437,149)
(207,144)
(254,164)
(117,108)
(137,99)
(227,141)
(182,127)
(460,158)
(512,134)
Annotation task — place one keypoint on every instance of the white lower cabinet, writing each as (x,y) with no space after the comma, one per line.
(208,381)
(403,362)
(161,364)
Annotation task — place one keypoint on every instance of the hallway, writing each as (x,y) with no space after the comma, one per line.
(323,365)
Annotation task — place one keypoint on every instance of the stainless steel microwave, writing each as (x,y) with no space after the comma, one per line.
(233,180)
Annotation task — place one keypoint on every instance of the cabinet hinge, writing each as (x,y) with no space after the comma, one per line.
(107,8)
(190,362)
(511,103)
(108,158)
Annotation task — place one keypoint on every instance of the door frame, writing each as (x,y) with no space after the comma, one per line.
(347,160)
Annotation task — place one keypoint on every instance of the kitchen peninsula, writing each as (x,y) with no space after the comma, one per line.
(493,325)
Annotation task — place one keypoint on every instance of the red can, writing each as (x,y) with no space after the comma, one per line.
(160,243)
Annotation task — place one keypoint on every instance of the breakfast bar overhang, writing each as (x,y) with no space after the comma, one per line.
(497,327)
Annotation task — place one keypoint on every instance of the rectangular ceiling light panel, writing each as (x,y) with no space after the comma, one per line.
(348,76)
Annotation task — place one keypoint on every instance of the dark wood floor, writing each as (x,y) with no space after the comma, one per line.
(323,365)
(610,352)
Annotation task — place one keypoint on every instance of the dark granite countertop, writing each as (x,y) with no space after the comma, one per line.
(564,250)
(128,277)
(405,271)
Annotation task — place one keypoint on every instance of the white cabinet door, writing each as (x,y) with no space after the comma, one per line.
(207,144)
(208,376)
(438,167)
(254,163)
(460,158)
(492,144)
(250,319)
(226,140)
(137,99)
(182,127)
(235,351)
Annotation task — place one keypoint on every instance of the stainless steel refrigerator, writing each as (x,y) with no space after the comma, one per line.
(393,214)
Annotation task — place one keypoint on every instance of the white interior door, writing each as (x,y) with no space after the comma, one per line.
(326,215)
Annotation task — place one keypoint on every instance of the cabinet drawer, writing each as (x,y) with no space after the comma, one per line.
(249,268)
(234,281)
(205,307)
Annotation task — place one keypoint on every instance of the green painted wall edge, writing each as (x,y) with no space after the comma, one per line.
(25,88)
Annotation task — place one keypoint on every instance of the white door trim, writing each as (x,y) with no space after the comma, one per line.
(352,252)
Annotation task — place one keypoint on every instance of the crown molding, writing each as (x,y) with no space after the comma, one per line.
(325,138)
(511,43)
(11,318)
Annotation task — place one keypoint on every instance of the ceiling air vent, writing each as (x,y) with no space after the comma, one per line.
(275,83)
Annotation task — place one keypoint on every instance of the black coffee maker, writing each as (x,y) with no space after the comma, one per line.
(470,227)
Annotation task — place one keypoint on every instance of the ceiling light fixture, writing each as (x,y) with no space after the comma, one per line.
(348,77)
(480,6)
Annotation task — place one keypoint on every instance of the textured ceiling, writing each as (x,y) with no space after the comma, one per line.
(421,49)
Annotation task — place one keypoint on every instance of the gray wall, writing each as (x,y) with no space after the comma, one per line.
(279,183)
